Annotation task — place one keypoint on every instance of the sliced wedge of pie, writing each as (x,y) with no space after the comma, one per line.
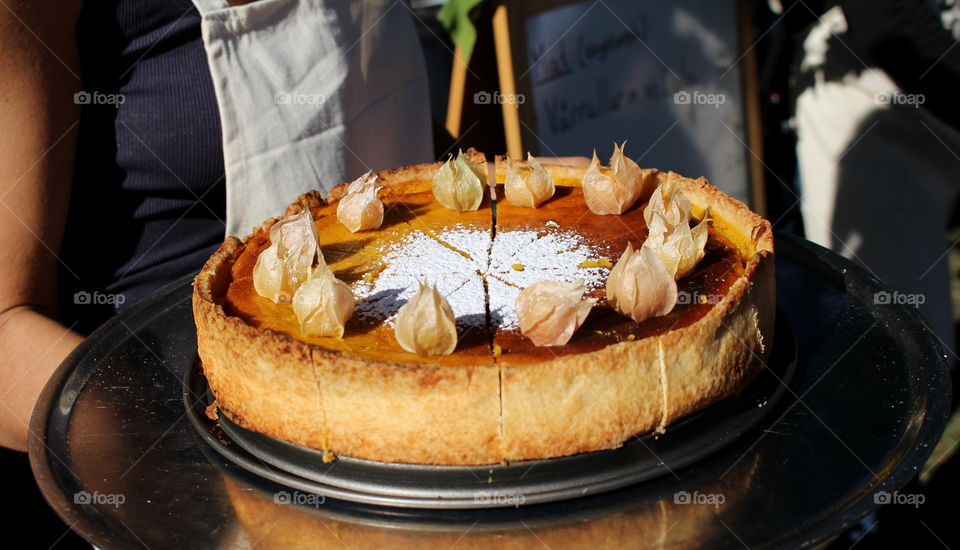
(497,396)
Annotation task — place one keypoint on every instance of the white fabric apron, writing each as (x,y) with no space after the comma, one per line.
(312,93)
(879,179)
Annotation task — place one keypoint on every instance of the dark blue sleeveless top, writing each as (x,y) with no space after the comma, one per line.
(148,198)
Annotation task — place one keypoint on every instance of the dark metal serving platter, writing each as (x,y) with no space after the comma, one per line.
(520,483)
(867,401)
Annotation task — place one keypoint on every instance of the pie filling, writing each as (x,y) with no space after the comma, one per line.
(479,262)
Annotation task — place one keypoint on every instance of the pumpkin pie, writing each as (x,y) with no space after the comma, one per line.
(497,397)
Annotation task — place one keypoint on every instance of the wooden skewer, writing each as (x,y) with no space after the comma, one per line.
(508,86)
(458,83)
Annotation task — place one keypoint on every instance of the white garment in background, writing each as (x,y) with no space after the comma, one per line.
(312,93)
(879,175)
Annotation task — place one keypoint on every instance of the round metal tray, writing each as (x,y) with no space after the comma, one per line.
(423,486)
(868,401)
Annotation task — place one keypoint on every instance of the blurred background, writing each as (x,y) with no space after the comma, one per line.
(837,121)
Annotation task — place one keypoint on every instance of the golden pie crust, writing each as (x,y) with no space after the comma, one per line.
(365,397)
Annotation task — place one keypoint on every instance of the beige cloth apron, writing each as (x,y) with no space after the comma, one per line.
(312,93)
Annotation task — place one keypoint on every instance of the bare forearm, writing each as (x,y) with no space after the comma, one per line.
(39,72)
(32,345)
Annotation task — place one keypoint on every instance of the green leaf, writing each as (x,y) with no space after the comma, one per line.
(455,16)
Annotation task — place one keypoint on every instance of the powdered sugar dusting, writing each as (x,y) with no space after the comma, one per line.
(416,258)
(459,264)
(473,242)
(521,258)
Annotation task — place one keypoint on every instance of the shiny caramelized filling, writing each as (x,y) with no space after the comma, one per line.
(361,259)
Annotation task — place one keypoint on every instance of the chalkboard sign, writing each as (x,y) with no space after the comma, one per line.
(667,76)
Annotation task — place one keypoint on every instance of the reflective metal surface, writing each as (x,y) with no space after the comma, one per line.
(119,461)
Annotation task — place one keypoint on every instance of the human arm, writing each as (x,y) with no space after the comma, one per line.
(38,126)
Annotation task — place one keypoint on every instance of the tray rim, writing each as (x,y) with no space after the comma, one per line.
(845,274)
